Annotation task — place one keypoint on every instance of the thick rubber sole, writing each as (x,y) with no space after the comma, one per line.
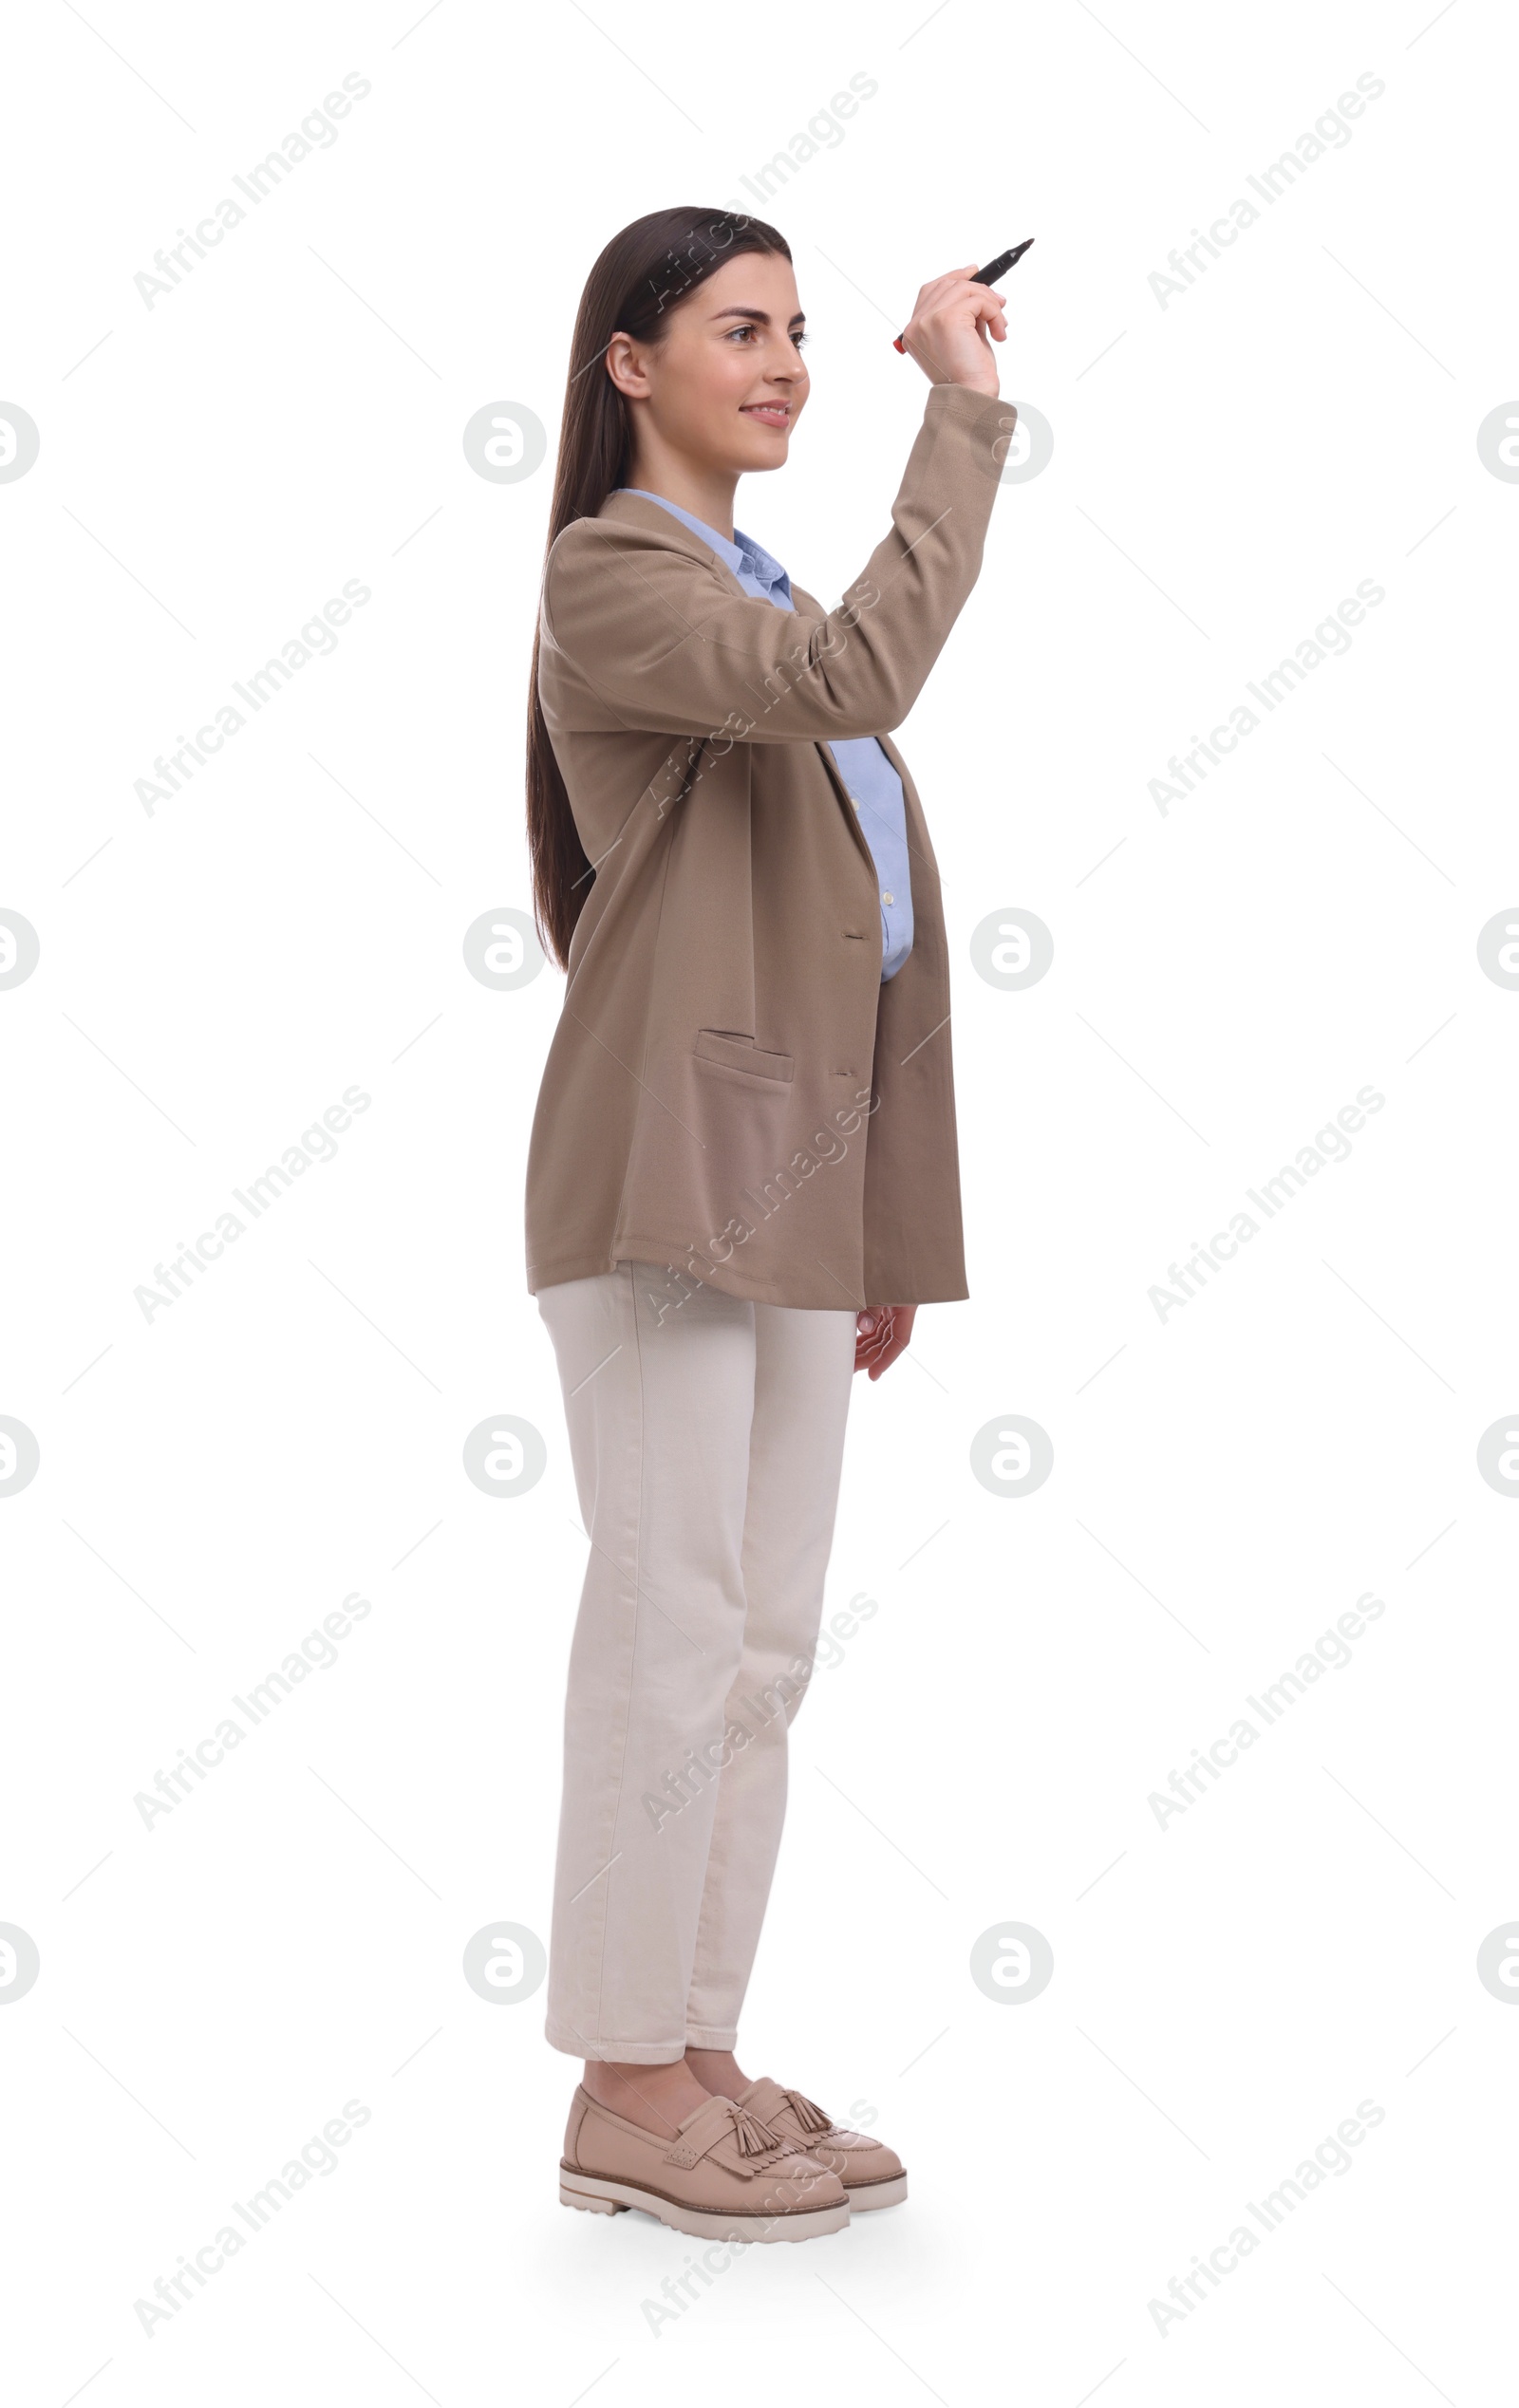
(602,2196)
(878,2194)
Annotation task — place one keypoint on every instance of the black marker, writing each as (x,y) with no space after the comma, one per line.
(987,275)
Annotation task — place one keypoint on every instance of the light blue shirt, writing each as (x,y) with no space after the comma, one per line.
(875,788)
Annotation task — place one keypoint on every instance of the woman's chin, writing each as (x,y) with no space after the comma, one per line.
(768,447)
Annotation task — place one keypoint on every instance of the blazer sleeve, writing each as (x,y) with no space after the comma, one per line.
(637,633)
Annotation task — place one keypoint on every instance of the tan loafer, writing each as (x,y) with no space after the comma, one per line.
(872,2175)
(724,2177)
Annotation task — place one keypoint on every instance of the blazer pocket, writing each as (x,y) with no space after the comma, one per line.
(733,1052)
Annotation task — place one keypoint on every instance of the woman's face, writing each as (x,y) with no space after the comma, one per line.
(727,385)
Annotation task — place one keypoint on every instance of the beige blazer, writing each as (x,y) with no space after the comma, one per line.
(731,1095)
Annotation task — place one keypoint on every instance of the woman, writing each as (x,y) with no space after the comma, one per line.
(742,1179)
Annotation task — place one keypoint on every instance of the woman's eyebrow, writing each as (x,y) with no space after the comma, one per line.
(760,316)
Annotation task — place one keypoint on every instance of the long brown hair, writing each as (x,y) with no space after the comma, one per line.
(645,271)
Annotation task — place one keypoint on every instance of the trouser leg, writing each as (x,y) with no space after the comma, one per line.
(804,1364)
(659,1410)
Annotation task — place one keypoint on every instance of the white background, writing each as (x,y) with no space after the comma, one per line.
(1227,1481)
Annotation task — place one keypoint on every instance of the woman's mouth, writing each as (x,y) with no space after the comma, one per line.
(768,413)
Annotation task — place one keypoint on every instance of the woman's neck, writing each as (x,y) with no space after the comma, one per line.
(706,492)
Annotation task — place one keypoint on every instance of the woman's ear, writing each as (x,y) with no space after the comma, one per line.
(626,367)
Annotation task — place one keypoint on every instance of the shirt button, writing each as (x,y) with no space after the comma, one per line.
(855,800)
(886,897)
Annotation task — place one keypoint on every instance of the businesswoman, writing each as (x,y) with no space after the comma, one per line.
(742,1178)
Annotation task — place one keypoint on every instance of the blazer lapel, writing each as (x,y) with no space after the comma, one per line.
(918,841)
(799,594)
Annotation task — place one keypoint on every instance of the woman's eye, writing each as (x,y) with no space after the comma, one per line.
(799,340)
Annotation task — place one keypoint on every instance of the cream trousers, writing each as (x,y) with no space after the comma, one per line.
(707,1435)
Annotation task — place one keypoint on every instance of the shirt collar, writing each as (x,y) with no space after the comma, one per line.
(742,553)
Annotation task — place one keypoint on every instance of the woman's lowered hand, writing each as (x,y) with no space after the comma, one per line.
(881,1333)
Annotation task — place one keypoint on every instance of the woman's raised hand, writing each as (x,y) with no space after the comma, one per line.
(946,333)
